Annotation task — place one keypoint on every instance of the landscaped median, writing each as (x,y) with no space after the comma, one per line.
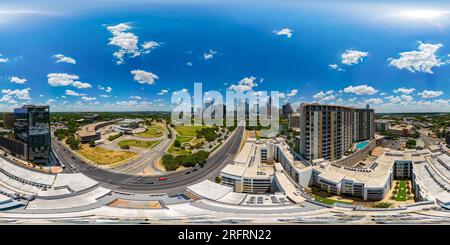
(329,201)
(192,137)
(152,132)
(138,143)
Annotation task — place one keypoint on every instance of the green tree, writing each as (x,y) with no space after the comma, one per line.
(169,163)
(218,179)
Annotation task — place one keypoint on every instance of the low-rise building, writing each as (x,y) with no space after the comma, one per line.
(382,125)
(130,123)
(89,132)
(400,130)
(251,172)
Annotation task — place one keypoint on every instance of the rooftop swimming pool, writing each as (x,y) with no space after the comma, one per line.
(361,145)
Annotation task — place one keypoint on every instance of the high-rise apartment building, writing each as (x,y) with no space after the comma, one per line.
(363,124)
(328,131)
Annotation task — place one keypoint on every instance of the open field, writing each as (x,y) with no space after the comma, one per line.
(138,143)
(188,130)
(177,151)
(184,139)
(152,132)
(102,156)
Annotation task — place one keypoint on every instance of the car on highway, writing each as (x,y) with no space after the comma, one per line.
(162,178)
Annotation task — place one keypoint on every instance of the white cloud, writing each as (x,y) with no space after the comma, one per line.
(3,60)
(144,77)
(104,96)
(73,93)
(404,99)
(292,93)
(135,97)
(426,94)
(353,57)
(85,98)
(284,32)
(60,58)
(375,101)
(243,85)
(127,102)
(404,90)
(61,79)
(21,94)
(360,90)
(189,63)
(106,89)
(81,85)
(127,42)
(50,101)
(209,55)
(18,80)
(163,91)
(184,90)
(407,98)
(424,59)
(394,99)
(148,46)
(324,96)
(335,67)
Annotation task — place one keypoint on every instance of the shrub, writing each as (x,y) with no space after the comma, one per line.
(125,147)
(218,179)
(177,143)
(382,205)
(91,143)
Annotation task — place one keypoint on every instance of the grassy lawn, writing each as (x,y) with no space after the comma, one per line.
(138,143)
(328,200)
(178,151)
(401,192)
(184,139)
(102,156)
(188,130)
(151,132)
(186,134)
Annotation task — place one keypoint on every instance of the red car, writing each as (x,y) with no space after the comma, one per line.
(162,178)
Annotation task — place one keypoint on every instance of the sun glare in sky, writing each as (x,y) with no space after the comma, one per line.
(423,14)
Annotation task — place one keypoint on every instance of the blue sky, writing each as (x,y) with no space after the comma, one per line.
(132,55)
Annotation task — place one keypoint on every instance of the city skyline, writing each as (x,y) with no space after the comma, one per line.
(129,57)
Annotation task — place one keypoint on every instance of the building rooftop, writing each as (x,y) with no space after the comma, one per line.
(90,129)
(401,127)
(248,161)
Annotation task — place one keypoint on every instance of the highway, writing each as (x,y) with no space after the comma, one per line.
(174,182)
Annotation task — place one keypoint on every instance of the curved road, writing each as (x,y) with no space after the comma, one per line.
(148,158)
(174,182)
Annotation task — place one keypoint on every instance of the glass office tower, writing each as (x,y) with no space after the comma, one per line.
(32,127)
